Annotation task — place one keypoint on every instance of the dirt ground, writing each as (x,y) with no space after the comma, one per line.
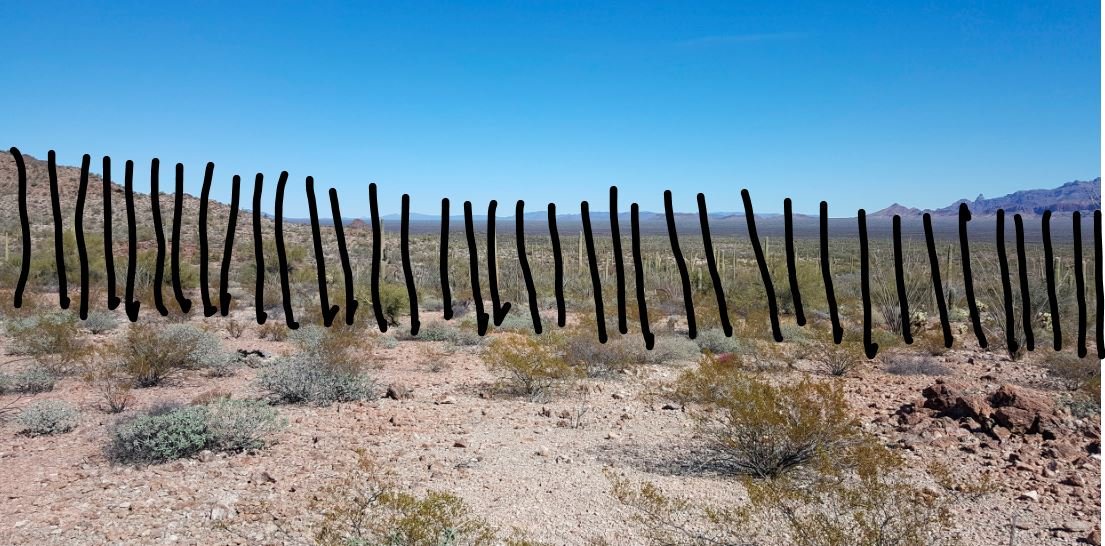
(517,463)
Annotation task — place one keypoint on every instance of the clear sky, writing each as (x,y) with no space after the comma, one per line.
(861,105)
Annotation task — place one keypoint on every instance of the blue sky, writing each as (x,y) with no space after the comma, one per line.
(861,105)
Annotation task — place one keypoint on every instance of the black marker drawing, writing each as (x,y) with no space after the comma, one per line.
(501,309)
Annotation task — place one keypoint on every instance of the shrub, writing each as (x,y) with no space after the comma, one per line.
(47,417)
(99,322)
(52,339)
(328,368)
(33,380)
(666,349)
(836,360)
(239,425)
(364,508)
(161,435)
(899,364)
(152,355)
(765,430)
(582,351)
(112,385)
(1071,372)
(532,365)
(234,328)
(449,334)
(866,503)
(272,331)
(715,342)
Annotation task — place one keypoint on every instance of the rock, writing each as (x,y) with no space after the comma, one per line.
(460,443)
(1093,538)
(399,391)
(670,407)
(1030,496)
(261,477)
(443,400)
(206,456)
(542,451)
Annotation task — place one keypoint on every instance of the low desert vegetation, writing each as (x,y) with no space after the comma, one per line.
(764,429)
(173,432)
(52,339)
(151,355)
(48,417)
(531,366)
(366,507)
(330,366)
(33,379)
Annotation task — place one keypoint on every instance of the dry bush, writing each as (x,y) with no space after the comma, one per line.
(1075,374)
(366,508)
(272,331)
(53,339)
(762,429)
(532,365)
(580,349)
(901,364)
(235,328)
(833,359)
(111,383)
(865,500)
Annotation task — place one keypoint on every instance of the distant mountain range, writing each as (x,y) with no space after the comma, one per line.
(1081,195)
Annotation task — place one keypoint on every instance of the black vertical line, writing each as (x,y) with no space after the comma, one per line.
(1049,277)
(109,250)
(328,311)
(1006,286)
(78,224)
(498,311)
(24,228)
(968,282)
(523,262)
(1099,285)
(1079,283)
(474,269)
(937,284)
(228,247)
(592,264)
(178,207)
(159,234)
(59,237)
(869,348)
(558,267)
(281,253)
(131,306)
(1022,273)
(899,279)
(258,252)
(405,251)
(619,262)
(639,276)
(711,264)
(792,268)
(443,262)
(205,192)
(826,275)
(681,264)
(377,250)
(765,275)
(343,253)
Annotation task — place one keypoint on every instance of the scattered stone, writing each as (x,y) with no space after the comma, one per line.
(399,391)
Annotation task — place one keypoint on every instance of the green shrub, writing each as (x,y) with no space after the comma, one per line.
(762,429)
(151,355)
(47,417)
(329,367)
(99,322)
(449,334)
(716,343)
(240,425)
(33,380)
(532,365)
(52,339)
(160,436)
(365,508)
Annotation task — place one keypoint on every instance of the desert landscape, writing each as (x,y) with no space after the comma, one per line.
(185,429)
